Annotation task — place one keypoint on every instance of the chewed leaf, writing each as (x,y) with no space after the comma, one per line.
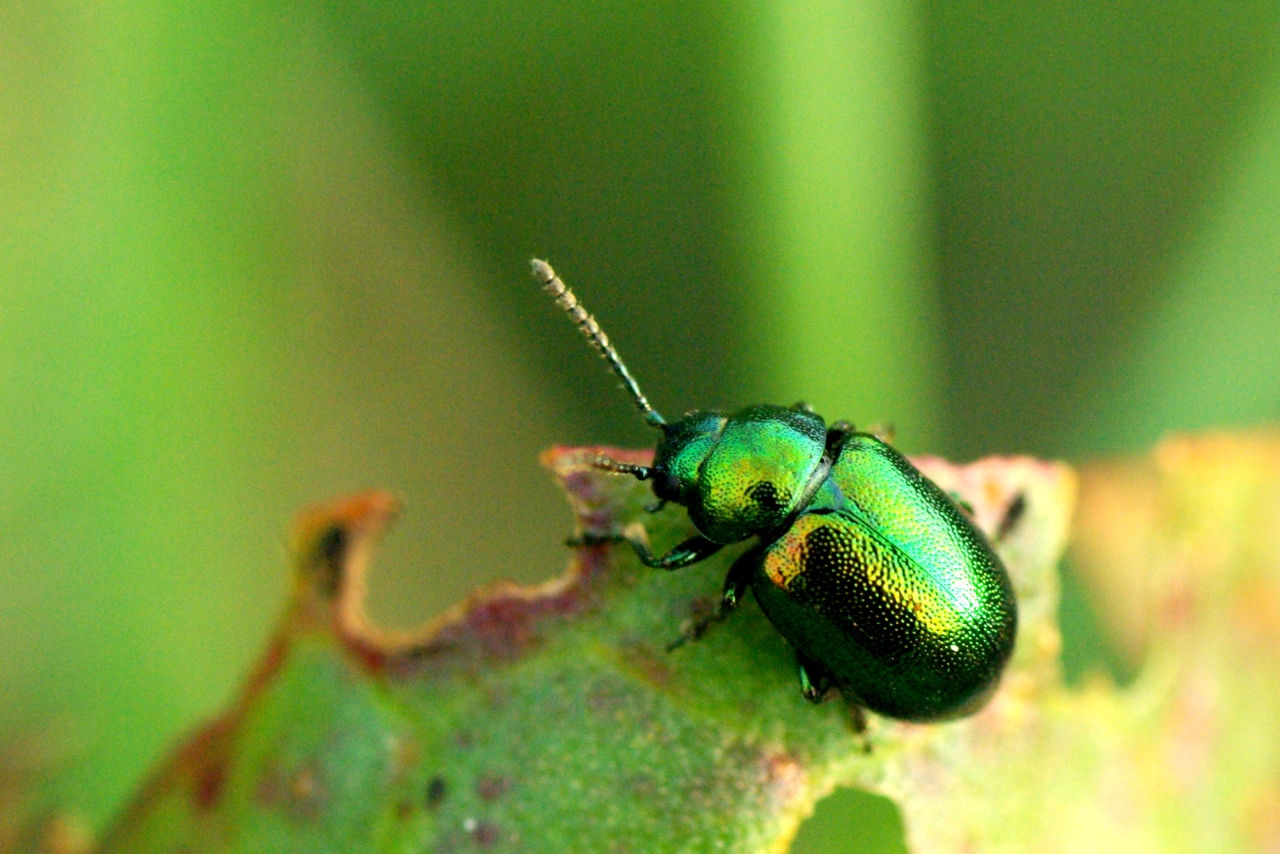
(554,718)
(1182,551)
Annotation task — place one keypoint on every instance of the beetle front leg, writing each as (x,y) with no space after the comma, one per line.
(587,540)
(689,552)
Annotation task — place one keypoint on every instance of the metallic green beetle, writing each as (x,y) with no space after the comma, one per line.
(882,584)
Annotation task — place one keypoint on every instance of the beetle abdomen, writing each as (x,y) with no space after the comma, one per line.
(898,501)
(912,640)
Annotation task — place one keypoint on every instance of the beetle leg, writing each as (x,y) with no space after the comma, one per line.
(814,679)
(858,719)
(802,406)
(586,539)
(735,586)
(815,682)
(737,581)
(690,551)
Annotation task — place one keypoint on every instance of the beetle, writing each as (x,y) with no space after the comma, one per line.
(879,580)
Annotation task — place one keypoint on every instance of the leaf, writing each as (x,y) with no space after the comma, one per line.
(1182,553)
(554,718)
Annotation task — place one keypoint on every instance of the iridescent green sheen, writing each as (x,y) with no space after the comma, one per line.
(874,575)
(892,590)
(685,445)
(753,477)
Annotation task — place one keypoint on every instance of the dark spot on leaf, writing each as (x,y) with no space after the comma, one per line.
(642,660)
(491,787)
(209,785)
(1017,509)
(436,790)
(330,550)
(701,607)
(271,788)
(300,794)
(485,834)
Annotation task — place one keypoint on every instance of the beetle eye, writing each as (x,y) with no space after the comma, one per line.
(666,486)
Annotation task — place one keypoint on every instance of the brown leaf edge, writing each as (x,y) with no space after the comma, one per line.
(333,546)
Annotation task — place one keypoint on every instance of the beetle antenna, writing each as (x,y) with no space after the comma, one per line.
(564,298)
(606,464)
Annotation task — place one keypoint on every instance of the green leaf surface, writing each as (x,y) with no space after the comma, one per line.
(555,718)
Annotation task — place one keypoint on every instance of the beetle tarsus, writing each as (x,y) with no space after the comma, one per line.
(815,682)
(587,539)
(858,717)
(738,580)
(736,583)
(858,722)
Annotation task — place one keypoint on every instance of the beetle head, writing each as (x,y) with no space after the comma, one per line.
(684,446)
(741,474)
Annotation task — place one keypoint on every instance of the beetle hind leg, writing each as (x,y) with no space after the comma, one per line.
(815,680)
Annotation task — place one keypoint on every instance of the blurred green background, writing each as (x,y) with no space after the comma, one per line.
(254,255)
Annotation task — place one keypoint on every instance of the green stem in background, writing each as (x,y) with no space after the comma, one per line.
(845,302)
(1205,354)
